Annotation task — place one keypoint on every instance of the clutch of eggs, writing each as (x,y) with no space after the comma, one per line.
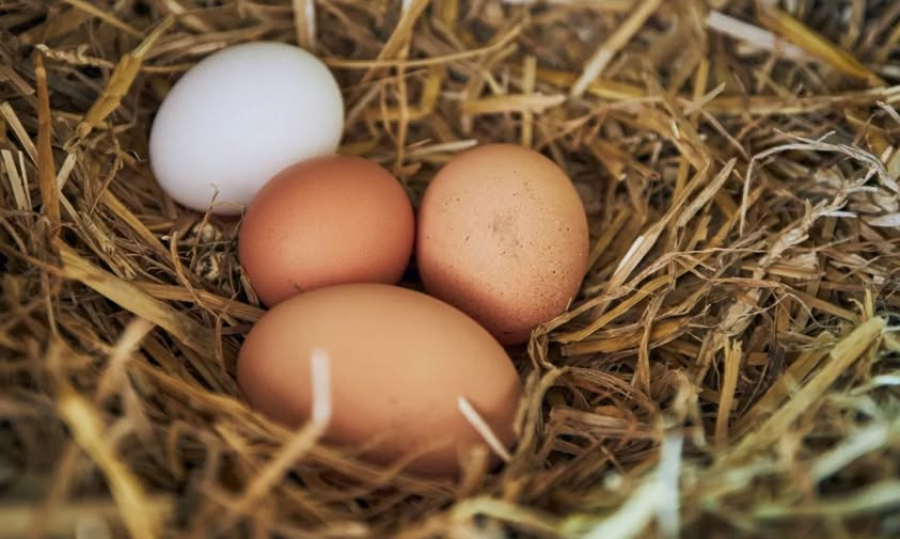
(501,245)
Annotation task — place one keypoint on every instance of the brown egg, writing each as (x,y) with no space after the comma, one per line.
(399,361)
(326,221)
(503,236)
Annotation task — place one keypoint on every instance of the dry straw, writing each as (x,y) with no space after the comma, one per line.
(730,368)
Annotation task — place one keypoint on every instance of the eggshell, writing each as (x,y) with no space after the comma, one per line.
(399,361)
(503,236)
(239,116)
(326,221)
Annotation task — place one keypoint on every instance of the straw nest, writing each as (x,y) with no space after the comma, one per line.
(729,369)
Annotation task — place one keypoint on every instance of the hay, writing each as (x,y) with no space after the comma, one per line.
(730,367)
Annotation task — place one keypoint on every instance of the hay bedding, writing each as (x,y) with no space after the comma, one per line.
(729,370)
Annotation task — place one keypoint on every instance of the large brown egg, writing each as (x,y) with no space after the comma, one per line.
(399,360)
(326,221)
(503,236)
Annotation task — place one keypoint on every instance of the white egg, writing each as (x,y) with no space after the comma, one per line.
(239,117)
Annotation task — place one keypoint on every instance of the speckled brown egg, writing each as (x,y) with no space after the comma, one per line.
(503,236)
(326,221)
(400,360)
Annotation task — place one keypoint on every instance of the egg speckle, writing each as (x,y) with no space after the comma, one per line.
(503,236)
(326,221)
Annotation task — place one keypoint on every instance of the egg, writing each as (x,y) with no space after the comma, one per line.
(326,221)
(399,361)
(239,116)
(503,236)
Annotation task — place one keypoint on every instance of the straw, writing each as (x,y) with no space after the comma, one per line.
(728,366)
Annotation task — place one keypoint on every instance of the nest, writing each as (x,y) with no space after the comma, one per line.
(729,368)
